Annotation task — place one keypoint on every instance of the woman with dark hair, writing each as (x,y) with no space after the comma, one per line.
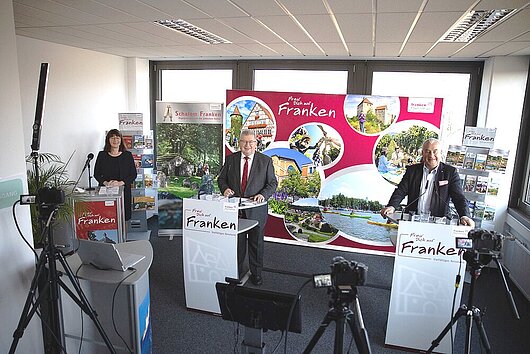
(115,167)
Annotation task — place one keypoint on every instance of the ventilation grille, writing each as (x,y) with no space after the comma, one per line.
(474,24)
(192,31)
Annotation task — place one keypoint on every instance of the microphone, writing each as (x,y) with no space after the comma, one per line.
(89,158)
(408,205)
(415,199)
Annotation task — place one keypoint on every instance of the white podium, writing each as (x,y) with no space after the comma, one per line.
(209,246)
(423,284)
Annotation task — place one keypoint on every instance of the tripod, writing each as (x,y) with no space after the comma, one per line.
(476,262)
(340,313)
(47,268)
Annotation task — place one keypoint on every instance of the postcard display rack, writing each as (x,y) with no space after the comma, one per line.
(141,147)
(482,169)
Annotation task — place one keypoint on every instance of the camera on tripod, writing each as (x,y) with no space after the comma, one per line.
(481,241)
(48,198)
(344,274)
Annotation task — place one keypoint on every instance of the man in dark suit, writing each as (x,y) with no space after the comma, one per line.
(429,185)
(250,174)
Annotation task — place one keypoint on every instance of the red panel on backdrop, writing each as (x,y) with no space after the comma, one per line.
(327,152)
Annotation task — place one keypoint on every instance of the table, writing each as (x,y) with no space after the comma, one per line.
(131,305)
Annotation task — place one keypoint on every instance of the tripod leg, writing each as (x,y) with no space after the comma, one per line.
(477,317)
(339,335)
(29,310)
(81,300)
(359,333)
(318,333)
(461,311)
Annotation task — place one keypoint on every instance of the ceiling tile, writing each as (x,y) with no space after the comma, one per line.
(223,29)
(286,28)
(260,8)
(258,49)
(252,29)
(500,4)
(55,19)
(320,27)
(351,7)
(306,7)
(163,32)
(384,6)
(431,26)
(69,13)
(356,28)
(509,48)
(174,9)
(387,49)
(218,8)
(415,49)
(393,27)
(448,5)
(358,49)
(444,50)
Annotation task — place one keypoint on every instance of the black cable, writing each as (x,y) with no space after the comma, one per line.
(112,309)
(292,310)
(20,232)
(279,342)
(457,285)
(82,324)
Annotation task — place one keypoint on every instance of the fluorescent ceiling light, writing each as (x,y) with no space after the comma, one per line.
(192,31)
(474,24)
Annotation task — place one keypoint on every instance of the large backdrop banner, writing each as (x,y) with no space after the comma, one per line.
(337,158)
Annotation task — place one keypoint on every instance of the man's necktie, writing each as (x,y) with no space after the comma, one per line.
(244,177)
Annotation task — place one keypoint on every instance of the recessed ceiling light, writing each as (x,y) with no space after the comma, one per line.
(474,24)
(192,31)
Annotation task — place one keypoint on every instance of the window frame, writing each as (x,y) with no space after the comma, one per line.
(517,207)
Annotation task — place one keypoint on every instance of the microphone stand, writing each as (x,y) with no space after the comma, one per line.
(90,188)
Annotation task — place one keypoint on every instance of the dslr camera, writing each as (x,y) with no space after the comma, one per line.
(481,241)
(49,198)
(343,274)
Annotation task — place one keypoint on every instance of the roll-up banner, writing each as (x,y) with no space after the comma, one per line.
(188,157)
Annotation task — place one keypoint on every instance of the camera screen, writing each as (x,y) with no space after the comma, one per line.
(322,280)
(464,243)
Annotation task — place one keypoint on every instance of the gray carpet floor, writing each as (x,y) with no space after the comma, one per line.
(179,330)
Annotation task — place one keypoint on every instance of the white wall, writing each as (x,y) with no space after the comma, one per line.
(86,90)
(17,259)
(501,106)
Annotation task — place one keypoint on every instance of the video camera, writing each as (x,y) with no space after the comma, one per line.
(343,274)
(481,241)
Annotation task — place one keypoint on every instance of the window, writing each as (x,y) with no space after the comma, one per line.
(520,192)
(195,85)
(308,81)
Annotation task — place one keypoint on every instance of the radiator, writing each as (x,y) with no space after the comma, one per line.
(516,258)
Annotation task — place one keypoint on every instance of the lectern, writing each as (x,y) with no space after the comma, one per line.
(209,246)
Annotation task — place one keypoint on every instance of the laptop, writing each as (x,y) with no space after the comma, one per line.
(104,255)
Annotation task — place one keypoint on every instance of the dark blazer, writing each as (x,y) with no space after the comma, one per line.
(446,185)
(261,180)
(120,168)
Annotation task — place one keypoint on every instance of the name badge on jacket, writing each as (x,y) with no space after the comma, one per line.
(443,183)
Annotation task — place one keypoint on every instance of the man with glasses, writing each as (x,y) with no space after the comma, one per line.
(250,174)
(429,186)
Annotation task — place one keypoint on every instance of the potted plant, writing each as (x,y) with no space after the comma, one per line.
(52,173)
